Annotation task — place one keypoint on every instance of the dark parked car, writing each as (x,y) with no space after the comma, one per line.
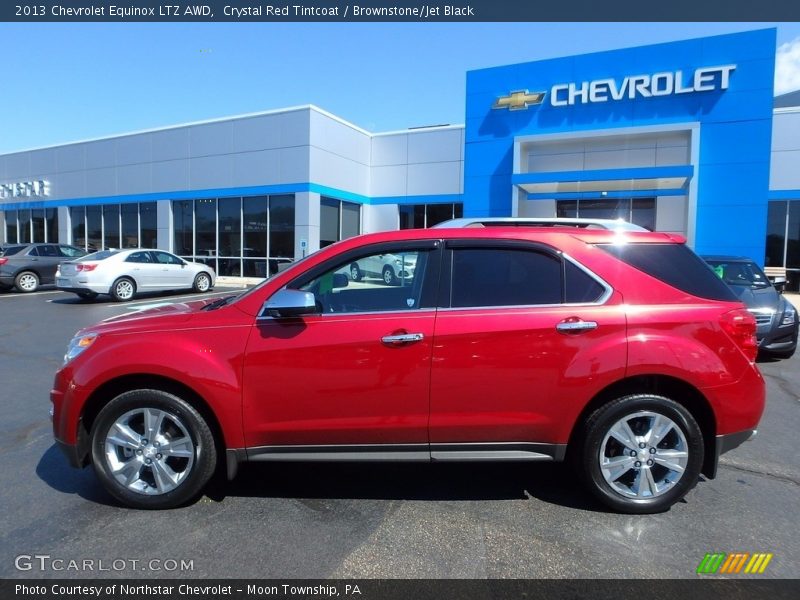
(775,316)
(27,266)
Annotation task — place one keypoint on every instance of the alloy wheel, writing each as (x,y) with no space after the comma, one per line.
(643,455)
(149,451)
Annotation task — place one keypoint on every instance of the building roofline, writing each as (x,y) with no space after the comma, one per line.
(309,107)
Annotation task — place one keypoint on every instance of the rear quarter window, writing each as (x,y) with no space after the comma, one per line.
(676,265)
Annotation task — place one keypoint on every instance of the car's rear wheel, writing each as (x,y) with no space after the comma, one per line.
(388,275)
(202,283)
(123,289)
(27,282)
(87,295)
(355,272)
(152,450)
(641,453)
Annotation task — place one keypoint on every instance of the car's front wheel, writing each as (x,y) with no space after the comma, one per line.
(202,283)
(152,450)
(641,453)
(388,275)
(355,272)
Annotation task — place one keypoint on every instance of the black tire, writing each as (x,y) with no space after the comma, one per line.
(87,295)
(596,428)
(26,282)
(388,275)
(355,272)
(204,455)
(120,290)
(202,283)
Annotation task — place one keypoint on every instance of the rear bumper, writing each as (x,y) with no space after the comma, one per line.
(7,280)
(72,284)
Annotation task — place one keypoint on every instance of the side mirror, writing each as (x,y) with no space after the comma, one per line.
(779,283)
(290,303)
(340,280)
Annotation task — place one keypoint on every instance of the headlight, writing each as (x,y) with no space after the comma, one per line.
(78,344)
(789,317)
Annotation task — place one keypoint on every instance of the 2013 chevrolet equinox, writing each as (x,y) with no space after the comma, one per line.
(621,351)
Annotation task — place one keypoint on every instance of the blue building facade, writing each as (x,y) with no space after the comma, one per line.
(588,130)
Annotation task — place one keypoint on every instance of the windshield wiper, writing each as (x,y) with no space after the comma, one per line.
(219,302)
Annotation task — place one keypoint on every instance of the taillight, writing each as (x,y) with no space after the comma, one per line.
(740,325)
(3,261)
(86,267)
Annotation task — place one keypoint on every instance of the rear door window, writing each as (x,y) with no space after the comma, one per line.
(139,257)
(483,277)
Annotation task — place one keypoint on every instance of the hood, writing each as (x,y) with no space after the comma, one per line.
(161,317)
(760,297)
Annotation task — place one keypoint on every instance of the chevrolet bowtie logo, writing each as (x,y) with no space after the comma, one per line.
(519,100)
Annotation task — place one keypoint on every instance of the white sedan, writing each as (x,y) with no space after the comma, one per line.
(123,273)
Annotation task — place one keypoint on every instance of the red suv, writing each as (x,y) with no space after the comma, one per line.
(622,352)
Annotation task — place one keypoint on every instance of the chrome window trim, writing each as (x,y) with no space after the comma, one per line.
(415,311)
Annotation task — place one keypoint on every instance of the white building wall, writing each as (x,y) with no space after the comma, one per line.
(784,172)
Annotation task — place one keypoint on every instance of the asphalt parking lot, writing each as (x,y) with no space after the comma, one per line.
(355,521)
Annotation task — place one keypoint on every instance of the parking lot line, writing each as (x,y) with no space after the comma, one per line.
(9,296)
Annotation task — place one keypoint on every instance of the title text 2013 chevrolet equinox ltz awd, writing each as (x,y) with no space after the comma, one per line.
(622,352)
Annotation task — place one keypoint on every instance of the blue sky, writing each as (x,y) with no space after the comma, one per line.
(66,82)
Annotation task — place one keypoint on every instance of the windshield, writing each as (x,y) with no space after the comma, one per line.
(739,273)
(11,250)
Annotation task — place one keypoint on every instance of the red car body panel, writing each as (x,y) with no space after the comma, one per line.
(479,375)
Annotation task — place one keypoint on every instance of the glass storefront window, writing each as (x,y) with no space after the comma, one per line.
(254,215)
(51,224)
(24,226)
(94,228)
(37,222)
(248,236)
(183,228)
(148,225)
(129,216)
(11,226)
(205,226)
(328,221)
(77,216)
(230,236)
(351,220)
(111,226)
(419,216)
(281,226)
(640,211)
(776,233)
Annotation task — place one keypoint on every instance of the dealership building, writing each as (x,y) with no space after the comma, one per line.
(682,137)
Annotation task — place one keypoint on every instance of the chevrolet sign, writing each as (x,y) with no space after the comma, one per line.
(666,83)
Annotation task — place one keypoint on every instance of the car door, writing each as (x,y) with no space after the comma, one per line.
(46,262)
(521,334)
(142,267)
(172,273)
(353,379)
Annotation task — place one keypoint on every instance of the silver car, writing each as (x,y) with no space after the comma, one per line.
(393,269)
(124,273)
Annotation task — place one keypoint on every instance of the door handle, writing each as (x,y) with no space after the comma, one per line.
(575,325)
(402,338)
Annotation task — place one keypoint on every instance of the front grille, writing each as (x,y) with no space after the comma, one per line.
(762,318)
